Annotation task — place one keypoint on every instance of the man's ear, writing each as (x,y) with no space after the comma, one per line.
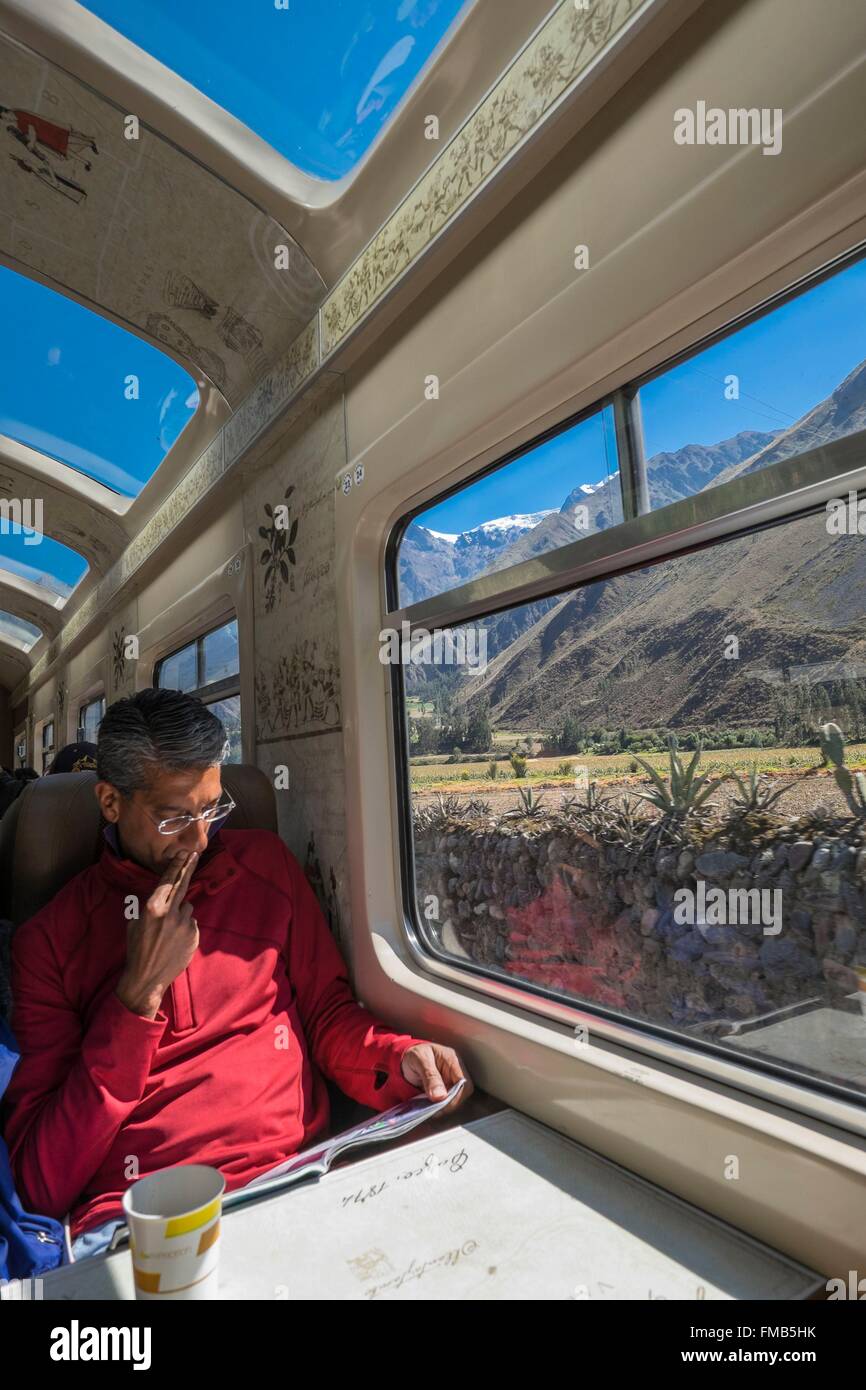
(109,801)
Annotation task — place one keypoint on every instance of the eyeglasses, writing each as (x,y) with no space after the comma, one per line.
(175,824)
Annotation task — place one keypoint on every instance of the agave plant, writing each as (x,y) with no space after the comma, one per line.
(593,800)
(530,804)
(755,795)
(852,786)
(477,806)
(625,819)
(447,808)
(683,792)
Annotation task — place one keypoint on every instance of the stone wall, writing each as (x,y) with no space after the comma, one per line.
(588,909)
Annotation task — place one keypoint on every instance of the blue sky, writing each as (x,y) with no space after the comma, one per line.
(786,363)
(65,393)
(317,80)
(68,393)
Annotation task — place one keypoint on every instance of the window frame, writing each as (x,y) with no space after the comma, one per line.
(85,705)
(213,690)
(398,531)
(784,491)
(50,750)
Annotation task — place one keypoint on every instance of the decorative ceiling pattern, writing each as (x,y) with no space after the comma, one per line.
(136,227)
(71,519)
(555,61)
(561,50)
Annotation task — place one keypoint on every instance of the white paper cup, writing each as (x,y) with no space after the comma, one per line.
(174,1227)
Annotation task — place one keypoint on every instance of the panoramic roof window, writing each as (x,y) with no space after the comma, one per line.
(41,560)
(318,82)
(16,632)
(86,392)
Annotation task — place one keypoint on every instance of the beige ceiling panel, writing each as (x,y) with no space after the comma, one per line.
(138,228)
(70,516)
(31,602)
(13,665)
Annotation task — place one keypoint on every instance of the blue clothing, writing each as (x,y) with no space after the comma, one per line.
(30,1244)
(96,1240)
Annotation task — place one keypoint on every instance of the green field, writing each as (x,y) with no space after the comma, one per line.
(442,776)
(419,709)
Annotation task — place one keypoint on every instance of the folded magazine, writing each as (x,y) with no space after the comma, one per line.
(314,1162)
(379,1129)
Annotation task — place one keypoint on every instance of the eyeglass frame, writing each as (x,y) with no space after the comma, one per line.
(208,816)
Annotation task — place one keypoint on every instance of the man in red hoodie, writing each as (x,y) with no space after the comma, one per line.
(179,1000)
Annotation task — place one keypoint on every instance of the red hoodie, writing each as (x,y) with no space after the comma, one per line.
(229,1071)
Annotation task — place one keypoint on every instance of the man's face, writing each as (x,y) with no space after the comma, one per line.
(167,794)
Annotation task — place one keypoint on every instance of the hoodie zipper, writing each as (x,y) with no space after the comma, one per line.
(181,1003)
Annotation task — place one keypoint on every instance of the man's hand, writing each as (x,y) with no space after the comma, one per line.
(435,1069)
(162,943)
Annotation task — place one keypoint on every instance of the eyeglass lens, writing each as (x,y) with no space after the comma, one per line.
(177,823)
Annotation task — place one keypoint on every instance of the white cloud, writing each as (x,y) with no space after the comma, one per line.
(394,59)
(53,356)
(167,399)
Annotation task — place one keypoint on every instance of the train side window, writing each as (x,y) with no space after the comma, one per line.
(761,393)
(47,745)
(89,719)
(559,489)
(638,793)
(209,668)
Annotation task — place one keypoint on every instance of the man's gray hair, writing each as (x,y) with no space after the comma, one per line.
(156,730)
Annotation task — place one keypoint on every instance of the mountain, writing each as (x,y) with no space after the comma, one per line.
(670,476)
(842,413)
(648,649)
(433,561)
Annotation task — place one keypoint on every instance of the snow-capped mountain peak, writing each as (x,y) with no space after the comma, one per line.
(497,529)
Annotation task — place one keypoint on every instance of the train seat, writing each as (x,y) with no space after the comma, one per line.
(54,830)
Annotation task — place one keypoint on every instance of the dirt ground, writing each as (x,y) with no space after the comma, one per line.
(802,795)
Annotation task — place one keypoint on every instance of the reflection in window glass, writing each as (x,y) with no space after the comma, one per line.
(220,653)
(785,383)
(179,671)
(229,711)
(573,482)
(550,855)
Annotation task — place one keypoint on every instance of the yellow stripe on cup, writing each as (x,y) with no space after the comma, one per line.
(207,1238)
(181,1225)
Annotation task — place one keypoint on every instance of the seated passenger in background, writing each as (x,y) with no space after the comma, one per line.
(10,789)
(178,1001)
(75,757)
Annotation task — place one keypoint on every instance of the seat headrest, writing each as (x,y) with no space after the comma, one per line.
(53,830)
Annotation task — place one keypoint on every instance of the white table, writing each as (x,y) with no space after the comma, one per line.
(500,1208)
